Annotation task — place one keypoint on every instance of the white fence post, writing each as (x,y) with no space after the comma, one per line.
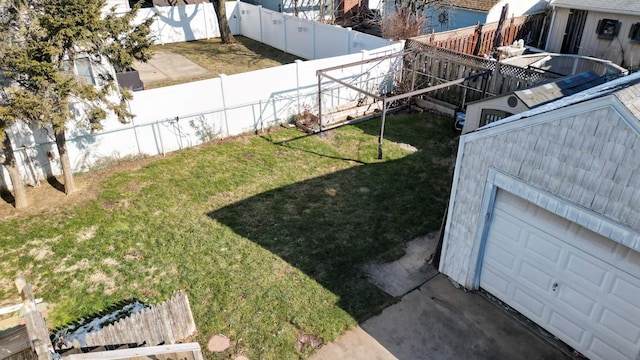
(284,26)
(224,103)
(313,39)
(298,62)
(206,25)
(260,17)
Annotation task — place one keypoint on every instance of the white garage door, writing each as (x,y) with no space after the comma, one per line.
(578,285)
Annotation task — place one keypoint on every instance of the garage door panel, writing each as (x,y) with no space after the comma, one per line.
(629,260)
(528,305)
(586,269)
(627,292)
(497,283)
(620,326)
(582,287)
(575,299)
(545,249)
(503,258)
(510,231)
(564,325)
(535,276)
(602,350)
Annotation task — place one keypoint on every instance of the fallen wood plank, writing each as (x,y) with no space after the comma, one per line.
(193,348)
(13,308)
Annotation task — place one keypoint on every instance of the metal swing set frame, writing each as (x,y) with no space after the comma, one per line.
(385,99)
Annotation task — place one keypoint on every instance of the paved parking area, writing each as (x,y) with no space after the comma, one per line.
(435,319)
(439,321)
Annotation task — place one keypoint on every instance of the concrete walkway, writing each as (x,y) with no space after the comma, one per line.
(167,66)
(439,321)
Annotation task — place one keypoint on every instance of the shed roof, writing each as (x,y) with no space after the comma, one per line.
(609,6)
(542,94)
(617,86)
(482,5)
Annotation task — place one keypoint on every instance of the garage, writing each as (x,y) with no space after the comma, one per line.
(578,285)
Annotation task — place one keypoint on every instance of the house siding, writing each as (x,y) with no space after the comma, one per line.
(616,50)
(591,159)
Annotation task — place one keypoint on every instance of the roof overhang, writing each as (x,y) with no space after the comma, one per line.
(604,9)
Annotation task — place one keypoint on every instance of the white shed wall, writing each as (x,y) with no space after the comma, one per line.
(586,154)
(474,110)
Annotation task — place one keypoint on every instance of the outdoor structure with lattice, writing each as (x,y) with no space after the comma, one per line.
(358,91)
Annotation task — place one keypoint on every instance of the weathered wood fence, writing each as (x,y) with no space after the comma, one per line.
(166,323)
(479,39)
(432,65)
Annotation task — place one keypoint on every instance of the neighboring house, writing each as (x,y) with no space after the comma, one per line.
(456,14)
(463,13)
(306,9)
(544,214)
(603,29)
(486,111)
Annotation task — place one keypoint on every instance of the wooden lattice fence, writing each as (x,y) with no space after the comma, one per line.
(433,65)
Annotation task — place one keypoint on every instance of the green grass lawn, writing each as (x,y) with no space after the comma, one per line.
(266,237)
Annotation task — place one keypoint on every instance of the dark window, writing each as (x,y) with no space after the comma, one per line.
(487,116)
(608,28)
(634,34)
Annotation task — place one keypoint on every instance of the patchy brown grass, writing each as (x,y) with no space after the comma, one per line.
(218,58)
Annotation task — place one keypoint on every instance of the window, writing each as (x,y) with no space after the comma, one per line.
(487,116)
(608,28)
(634,34)
(82,68)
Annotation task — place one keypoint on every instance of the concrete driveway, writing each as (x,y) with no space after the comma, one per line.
(437,321)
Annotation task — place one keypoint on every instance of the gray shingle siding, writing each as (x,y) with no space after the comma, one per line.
(591,159)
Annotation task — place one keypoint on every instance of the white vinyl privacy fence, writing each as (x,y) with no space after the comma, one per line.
(177,117)
(302,37)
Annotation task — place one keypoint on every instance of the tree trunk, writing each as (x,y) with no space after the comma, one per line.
(61,142)
(10,163)
(223,24)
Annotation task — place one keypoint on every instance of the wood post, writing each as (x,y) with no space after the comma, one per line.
(36,327)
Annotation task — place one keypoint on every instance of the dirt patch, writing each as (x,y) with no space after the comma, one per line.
(80,265)
(46,199)
(86,234)
(134,186)
(98,279)
(41,253)
(305,340)
(407,147)
(110,204)
(110,262)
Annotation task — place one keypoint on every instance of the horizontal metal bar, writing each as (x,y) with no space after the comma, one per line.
(361,62)
(351,86)
(436,87)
